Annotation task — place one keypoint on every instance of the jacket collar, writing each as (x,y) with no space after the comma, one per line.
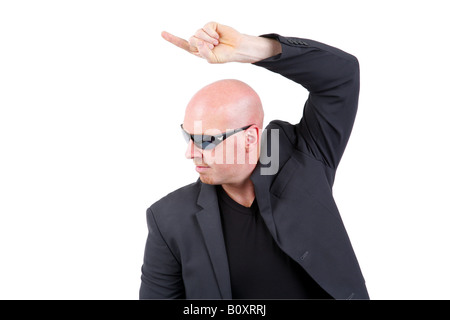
(210,224)
(262,185)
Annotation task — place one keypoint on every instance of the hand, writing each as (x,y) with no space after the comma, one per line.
(214,42)
(218,43)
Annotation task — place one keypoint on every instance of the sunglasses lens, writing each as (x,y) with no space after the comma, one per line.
(186,136)
(208,145)
(197,139)
(208,142)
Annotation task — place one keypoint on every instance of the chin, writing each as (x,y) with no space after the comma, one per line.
(207,180)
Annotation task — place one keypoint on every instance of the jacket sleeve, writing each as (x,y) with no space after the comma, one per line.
(332,78)
(161,272)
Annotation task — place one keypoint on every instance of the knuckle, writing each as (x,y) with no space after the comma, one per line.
(210,27)
(210,24)
(199,33)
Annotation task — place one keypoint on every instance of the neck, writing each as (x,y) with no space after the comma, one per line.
(243,193)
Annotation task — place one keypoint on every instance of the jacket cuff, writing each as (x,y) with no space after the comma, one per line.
(287,46)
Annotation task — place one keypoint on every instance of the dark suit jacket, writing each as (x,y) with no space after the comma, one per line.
(185,255)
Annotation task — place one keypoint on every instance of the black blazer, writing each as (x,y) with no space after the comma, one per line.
(185,255)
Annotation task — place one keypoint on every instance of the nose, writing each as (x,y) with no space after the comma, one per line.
(192,151)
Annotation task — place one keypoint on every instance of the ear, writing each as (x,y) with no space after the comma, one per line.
(251,138)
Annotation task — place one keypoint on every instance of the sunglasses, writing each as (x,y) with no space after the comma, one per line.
(207,142)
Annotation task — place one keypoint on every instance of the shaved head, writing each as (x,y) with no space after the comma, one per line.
(225,104)
(217,108)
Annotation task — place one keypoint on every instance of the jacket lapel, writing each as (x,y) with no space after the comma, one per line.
(211,227)
(262,184)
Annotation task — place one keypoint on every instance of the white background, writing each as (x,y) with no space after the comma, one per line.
(91,98)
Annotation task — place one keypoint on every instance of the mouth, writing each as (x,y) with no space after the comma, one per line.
(201,168)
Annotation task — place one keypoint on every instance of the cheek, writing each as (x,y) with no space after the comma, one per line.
(230,152)
(219,156)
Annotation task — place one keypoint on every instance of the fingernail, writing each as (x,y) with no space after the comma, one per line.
(211,46)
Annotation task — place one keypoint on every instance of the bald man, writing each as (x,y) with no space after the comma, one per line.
(221,106)
(261,221)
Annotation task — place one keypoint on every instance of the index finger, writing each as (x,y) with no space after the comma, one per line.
(179,42)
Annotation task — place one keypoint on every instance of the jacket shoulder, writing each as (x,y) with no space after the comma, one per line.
(292,144)
(285,139)
(288,129)
(176,202)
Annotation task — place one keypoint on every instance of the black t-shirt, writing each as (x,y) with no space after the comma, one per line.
(259,269)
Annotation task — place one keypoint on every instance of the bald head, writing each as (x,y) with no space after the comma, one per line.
(225,104)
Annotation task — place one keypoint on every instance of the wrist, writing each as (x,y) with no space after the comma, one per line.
(252,49)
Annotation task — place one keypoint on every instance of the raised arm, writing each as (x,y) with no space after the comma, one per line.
(332,78)
(329,74)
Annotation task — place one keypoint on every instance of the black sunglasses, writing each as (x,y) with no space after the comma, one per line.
(207,142)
